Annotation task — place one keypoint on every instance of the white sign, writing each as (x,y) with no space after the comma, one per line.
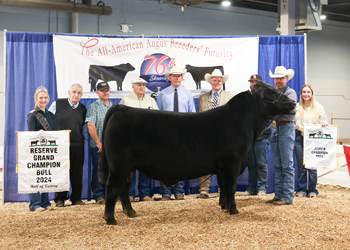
(320,146)
(89,60)
(43,161)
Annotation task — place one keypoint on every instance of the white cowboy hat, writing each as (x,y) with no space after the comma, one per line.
(281,71)
(175,71)
(139,80)
(216,72)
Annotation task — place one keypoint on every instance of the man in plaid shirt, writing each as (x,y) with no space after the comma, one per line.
(94,117)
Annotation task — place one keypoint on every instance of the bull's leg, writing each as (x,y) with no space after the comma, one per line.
(230,177)
(124,198)
(113,189)
(231,201)
(222,200)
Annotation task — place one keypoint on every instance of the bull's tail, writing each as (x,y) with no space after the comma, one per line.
(103,168)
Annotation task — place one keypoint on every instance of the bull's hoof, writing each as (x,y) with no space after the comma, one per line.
(130,213)
(234,211)
(110,221)
(223,207)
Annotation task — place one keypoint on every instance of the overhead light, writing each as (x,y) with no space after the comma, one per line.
(225,3)
(323,17)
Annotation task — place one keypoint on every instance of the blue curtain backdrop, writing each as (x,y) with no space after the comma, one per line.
(30,63)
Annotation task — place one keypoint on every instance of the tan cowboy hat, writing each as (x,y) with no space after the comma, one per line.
(175,71)
(139,80)
(216,72)
(281,71)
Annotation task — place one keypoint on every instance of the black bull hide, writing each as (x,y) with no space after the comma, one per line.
(172,147)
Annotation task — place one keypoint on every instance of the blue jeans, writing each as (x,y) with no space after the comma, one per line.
(283,161)
(98,189)
(302,171)
(178,189)
(257,180)
(144,186)
(37,200)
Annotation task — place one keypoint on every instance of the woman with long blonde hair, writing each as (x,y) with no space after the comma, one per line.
(40,119)
(308,111)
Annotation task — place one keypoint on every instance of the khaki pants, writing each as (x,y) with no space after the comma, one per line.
(205,186)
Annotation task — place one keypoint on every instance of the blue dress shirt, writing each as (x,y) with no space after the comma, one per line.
(165,100)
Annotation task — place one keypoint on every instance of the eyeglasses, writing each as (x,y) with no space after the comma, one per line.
(77,93)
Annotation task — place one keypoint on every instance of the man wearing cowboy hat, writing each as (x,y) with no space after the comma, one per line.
(138,99)
(178,99)
(282,142)
(210,100)
(257,170)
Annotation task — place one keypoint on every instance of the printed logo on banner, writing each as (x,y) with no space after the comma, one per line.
(153,68)
(42,141)
(319,135)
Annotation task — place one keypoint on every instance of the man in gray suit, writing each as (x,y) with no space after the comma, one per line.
(210,100)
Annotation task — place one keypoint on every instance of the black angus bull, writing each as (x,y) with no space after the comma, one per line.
(108,73)
(198,73)
(171,146)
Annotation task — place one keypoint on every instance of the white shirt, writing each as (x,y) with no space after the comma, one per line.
(308,118)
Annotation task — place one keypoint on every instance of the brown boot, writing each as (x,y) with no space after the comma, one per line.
(165,198)
(147,198)
(281,202)
(272,201)
(179,197)
(203,196)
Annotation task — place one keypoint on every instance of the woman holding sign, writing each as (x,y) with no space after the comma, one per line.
(40,119)
(308,111)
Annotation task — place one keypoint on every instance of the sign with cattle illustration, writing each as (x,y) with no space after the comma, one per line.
(320,146)
(89,60)
(43,161)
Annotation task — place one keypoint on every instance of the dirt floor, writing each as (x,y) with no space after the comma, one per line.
(319,223)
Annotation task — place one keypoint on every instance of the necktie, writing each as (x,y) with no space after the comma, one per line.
(176,102)
(215,102)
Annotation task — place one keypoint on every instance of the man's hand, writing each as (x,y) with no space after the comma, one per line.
(99,146)
(93,133)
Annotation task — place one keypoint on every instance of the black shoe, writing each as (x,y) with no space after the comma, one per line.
(60,203)
(78,203)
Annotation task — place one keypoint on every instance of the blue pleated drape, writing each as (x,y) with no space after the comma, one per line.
(30,63)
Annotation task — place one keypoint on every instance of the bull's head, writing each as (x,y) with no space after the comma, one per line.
(270,95)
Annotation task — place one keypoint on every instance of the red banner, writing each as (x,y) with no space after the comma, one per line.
(347,156)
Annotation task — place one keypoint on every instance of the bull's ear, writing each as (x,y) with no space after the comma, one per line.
(256,91)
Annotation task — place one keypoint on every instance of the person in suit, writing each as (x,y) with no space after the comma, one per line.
(210,100)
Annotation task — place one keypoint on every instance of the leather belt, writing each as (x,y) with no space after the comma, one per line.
(283,123)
